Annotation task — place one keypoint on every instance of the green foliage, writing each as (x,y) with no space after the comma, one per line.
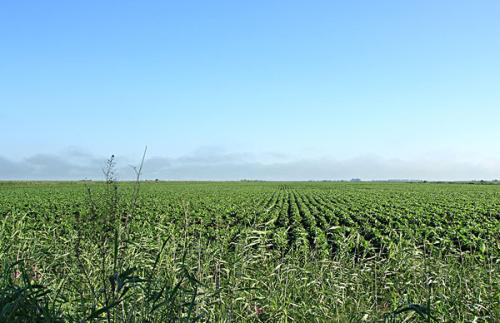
(248,251)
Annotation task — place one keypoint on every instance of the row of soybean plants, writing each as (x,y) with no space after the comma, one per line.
(381,218)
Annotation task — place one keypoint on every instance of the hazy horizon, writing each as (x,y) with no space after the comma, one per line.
(264,90)
(213,164)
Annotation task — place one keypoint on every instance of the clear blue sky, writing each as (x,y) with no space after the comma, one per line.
(254,83)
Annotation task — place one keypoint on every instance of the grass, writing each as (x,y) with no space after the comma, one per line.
(115,258)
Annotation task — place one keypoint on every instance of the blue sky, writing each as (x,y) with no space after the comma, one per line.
(260,89)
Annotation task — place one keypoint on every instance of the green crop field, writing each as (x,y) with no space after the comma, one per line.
(249,251)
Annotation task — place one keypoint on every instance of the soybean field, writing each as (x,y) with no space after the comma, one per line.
(249,251)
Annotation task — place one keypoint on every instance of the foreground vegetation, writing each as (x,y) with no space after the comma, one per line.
(249,251)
